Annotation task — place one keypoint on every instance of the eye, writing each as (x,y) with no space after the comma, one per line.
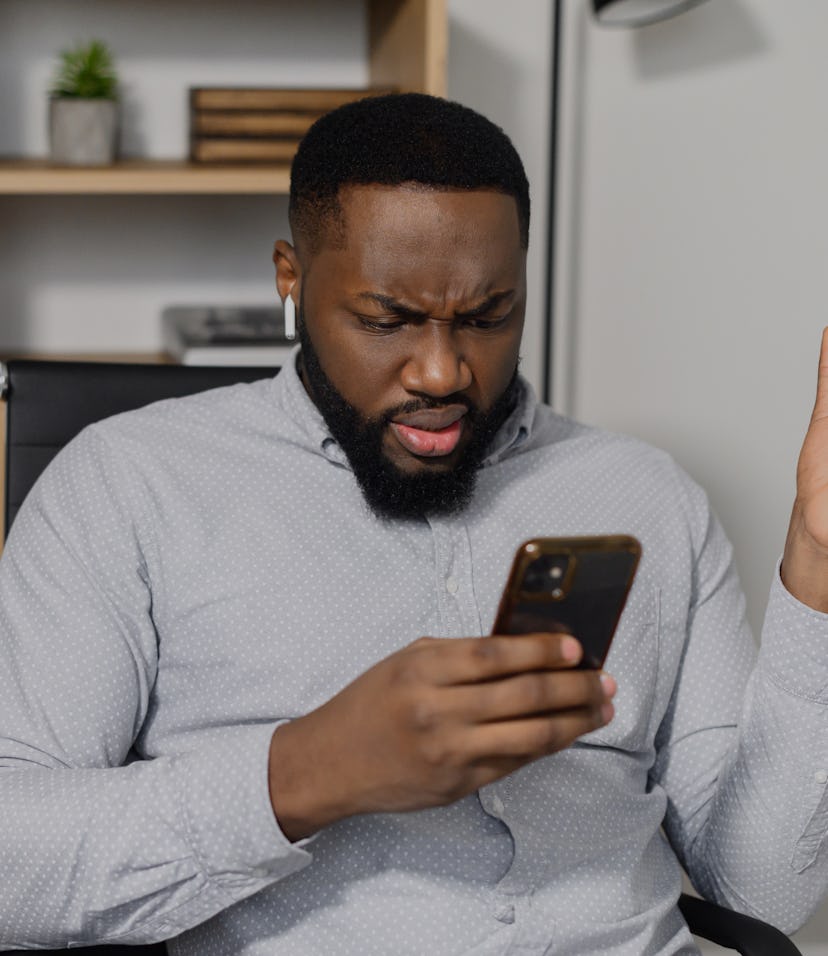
(375,324)
(486,323)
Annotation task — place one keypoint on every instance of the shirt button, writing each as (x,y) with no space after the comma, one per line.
(821,776)
(452,585)
(506,915)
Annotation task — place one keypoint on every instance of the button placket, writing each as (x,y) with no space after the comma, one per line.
(462,572)
(456,601)
(444,562)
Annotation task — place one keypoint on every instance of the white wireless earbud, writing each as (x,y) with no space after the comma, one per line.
(290,318)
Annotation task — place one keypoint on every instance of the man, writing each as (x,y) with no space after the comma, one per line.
(276,596)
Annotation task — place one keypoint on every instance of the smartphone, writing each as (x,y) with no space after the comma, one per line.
(574,586)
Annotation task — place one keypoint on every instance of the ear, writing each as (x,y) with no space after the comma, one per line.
(288,271)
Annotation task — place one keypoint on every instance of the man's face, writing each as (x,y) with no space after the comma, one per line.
(411,327)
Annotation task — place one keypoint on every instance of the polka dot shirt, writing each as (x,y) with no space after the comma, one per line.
(185,578)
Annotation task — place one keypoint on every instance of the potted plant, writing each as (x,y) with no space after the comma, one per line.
(83,107)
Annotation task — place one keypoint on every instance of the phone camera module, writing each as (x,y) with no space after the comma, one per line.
(545,575)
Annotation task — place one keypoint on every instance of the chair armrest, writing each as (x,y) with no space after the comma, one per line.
(746,935)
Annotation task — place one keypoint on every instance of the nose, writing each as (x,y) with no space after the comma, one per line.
(436,366)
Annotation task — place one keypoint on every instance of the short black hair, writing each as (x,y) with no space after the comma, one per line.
(394,139)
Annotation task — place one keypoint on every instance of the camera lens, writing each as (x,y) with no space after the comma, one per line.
(545,574)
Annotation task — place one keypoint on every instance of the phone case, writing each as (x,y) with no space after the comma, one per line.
(572,586)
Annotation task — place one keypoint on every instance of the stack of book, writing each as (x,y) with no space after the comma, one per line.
(233,125)
(228,335)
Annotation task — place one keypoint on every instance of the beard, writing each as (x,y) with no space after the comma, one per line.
(389,491)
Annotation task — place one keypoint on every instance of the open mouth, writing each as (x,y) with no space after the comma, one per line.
(428,442)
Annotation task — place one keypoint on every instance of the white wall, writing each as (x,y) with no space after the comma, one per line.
(694,235)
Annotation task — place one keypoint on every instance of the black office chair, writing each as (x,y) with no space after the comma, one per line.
(48,403)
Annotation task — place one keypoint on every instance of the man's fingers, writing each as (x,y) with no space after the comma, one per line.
(535,692)
(535,736)
(821,403)
(470,660)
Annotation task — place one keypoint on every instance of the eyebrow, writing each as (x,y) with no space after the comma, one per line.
(405,311)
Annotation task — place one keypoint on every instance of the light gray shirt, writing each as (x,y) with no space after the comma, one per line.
(187,576)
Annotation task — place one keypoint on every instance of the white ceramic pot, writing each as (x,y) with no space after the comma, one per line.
(82,132)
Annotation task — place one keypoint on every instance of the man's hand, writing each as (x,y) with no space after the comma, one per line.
(432,723)
(805,561)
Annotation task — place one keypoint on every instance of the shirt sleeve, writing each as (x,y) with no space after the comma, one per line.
(94,845)
(742,752)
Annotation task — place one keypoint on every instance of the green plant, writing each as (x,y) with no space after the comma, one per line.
(87,71)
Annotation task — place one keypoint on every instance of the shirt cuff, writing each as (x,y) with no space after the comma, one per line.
(794,651)
(233,831)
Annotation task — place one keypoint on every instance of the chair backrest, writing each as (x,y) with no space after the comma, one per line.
(48,403)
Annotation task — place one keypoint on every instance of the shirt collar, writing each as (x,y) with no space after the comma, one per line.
(304,413)
(517,429)
(513,433)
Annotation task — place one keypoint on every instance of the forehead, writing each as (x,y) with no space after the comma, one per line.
(410,230)
(411,208)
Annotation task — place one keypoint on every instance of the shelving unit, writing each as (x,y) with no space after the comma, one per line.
(407,46)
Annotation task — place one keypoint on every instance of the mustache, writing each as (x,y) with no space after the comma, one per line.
(421,404)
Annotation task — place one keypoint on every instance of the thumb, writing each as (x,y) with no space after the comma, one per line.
(812,468)
(820,411)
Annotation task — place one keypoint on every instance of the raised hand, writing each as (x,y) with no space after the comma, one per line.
(431,724)
(805,562)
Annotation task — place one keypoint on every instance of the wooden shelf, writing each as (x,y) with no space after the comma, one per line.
(407,41)
(142,358)
(408,44)
(39,177)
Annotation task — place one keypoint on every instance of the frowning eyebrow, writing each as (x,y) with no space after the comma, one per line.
(487,305)
(395,307)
